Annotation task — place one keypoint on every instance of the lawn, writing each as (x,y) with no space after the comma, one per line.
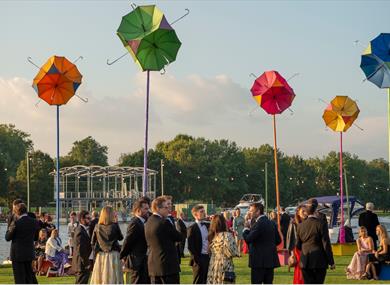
(282,276)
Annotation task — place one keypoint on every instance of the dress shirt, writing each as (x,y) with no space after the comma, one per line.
(204,232)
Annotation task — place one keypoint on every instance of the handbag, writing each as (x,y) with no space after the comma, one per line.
(229,277)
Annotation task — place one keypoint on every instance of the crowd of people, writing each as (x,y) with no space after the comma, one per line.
(154,242)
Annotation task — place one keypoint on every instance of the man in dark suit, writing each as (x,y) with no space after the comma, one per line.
(284,224)
(198,245)
(21,232)
(163,261)
(262,238)
(93,223)
(316,251)
(82,249)
(134,246)
(369,220)
(182,228)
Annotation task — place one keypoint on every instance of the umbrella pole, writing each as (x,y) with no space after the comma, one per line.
(58,170)
(388,126)
(347,195)
(342,230)
(145,173)
(276,173)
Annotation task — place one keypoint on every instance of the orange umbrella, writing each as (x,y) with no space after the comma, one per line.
(55,83)
(57,80)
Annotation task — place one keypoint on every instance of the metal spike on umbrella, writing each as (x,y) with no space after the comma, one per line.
(375,63)
(339,116)
(153,44)
(56,83)
(272,93)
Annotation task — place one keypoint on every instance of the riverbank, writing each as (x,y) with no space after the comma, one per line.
(282,276)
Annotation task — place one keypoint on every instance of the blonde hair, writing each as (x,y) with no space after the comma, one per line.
(226,215)
(362,228)
(53,232)
(383,234)
(158,203)
(107,216)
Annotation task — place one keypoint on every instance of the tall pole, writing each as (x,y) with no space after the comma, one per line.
(347,194)
(145,174)
(162,177)
(342,231)
(58,170)
(388,126)
(28,181)
(276,173)
(266,186)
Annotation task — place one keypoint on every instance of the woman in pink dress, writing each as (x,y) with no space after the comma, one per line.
(365,245)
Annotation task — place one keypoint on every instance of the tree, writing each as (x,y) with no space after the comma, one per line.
(87,152)
(41,183)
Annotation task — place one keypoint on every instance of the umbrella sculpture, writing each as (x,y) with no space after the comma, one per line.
(375,63)
(153,44)
(272,92)
(55,83)
(339,116)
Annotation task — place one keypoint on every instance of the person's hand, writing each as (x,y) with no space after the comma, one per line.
(333,267)
(376,254)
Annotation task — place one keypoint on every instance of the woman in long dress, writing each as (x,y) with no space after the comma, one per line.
(107,268)
(55,253)
(365,245)
(238,227)
(291,241)
(223,248)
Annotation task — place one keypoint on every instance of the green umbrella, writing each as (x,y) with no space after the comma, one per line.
(149,38)
(153,44)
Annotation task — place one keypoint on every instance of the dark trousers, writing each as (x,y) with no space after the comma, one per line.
(168,279)
(23,273)
(82,277)
(139,276)
(262,275)
(199,271)
(182,246)
(314,275)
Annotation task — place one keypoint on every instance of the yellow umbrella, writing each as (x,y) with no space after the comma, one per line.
(339,116)
(341,113)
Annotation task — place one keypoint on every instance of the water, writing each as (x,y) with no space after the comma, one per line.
(5,246)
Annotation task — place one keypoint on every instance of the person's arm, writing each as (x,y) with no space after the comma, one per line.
(251,235)
(9,235)
(131,235)
(172,232)
(358,245)
(120,235)
(326,244)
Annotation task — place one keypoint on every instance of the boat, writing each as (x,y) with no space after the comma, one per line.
(246,200)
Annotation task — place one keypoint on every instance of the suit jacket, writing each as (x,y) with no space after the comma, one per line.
(21,232)
(134,246)
(92,225)
(82,249)
(369,220)
(195,243)
(284,223)
(313,241)
(182,228)
(262,238)
(161,238)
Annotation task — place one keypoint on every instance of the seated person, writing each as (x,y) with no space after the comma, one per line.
(40,247)
(380,256)
(55,253)
(365,246)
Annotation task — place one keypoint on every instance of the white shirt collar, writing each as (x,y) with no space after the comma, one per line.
(142,219)
(157,214)
(259,217)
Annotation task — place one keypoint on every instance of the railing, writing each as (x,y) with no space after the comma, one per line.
(104,195)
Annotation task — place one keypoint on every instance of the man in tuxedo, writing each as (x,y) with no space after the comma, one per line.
(198,245)
(134,246)
(93,223)
(316,251)
(182,228)
(82,249)
(163,261)
(262,238)
(284,224)
(369,220)
(21,232)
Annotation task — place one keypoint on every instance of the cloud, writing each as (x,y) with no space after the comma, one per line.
(214,108)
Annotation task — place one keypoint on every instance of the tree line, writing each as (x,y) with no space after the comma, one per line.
(197,169)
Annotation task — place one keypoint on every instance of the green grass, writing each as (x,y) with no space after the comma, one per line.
(282,276)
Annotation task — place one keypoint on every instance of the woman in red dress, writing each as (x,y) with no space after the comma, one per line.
(300,216)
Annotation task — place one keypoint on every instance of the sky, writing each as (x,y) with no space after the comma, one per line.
(206,91)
